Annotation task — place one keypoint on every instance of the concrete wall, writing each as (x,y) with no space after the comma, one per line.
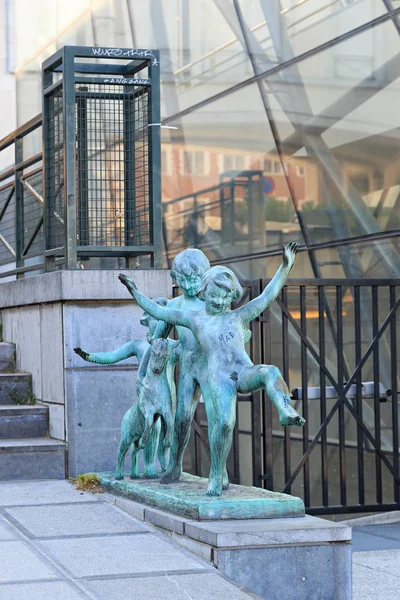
(47,317)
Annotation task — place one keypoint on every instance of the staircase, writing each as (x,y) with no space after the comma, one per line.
(26,450)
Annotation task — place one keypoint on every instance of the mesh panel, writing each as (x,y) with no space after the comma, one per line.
(112,165)
(7,224)
(55,170)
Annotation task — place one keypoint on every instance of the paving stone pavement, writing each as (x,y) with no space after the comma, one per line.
(59,543)
(376,562)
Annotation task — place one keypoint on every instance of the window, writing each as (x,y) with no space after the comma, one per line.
(272,166)
(233,162)
(166,161)
(300,171)
(267,165)
(194,162)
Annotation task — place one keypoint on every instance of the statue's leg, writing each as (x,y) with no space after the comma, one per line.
(223,395)
(188,397)
(210,422)
(269,377)
(122,450)
(150,471)
(144,438)
(134,465)
(169,428)
(162,452)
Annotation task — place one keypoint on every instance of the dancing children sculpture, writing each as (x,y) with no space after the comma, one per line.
(138,347)
(228,368)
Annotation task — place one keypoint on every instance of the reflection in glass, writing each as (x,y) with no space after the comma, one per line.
(234,199)
(280,31)
(344,142)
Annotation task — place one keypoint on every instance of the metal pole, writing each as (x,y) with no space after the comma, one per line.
(19,207)
(155,160)
(47,80)
(69,160)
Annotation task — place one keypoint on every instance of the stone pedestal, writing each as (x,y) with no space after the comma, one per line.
(187,498)
(304,558)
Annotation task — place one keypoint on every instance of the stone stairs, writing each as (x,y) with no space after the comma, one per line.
(26,450)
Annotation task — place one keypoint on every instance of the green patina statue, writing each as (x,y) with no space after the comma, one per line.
(155,401)
(219,361)
(138,348)
(188,268)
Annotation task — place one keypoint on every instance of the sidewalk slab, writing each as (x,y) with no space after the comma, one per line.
(48,590)
(205,586)
(385,561)
(18,562)
(60,543)
(6,532)
(74,519)
(117,555)
(372,584)
(17,493)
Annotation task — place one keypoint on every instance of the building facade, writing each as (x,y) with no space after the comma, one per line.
(285,111)
(280,121)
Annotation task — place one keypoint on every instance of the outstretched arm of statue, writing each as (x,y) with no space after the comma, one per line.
(252,309)
(162,330)
(161,313)
(110,358)
(143,365)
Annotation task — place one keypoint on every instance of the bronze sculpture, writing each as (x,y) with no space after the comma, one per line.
(227,368)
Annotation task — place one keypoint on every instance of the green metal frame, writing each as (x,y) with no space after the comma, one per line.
(64,62)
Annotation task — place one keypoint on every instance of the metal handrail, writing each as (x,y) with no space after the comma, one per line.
(21,131)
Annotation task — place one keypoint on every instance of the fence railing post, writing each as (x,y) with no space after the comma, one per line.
(19,207)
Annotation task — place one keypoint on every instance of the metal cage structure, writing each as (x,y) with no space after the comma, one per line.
(101,155)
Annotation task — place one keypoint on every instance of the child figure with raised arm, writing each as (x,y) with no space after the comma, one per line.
(219,332)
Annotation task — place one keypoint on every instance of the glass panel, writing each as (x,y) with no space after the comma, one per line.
(200,51)
(339,134)
(301,25)
(40,22)
(224,186)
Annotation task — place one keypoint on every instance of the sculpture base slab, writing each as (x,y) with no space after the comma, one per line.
(187,498)
(290,559)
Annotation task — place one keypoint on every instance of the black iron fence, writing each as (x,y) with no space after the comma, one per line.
(337,345)
(94,189)
(21,206)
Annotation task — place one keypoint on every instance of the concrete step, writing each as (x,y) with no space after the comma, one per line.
(32,458)
(23,421)
(14,385)
(7,357)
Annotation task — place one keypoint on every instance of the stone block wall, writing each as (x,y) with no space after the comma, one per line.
(47,316)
